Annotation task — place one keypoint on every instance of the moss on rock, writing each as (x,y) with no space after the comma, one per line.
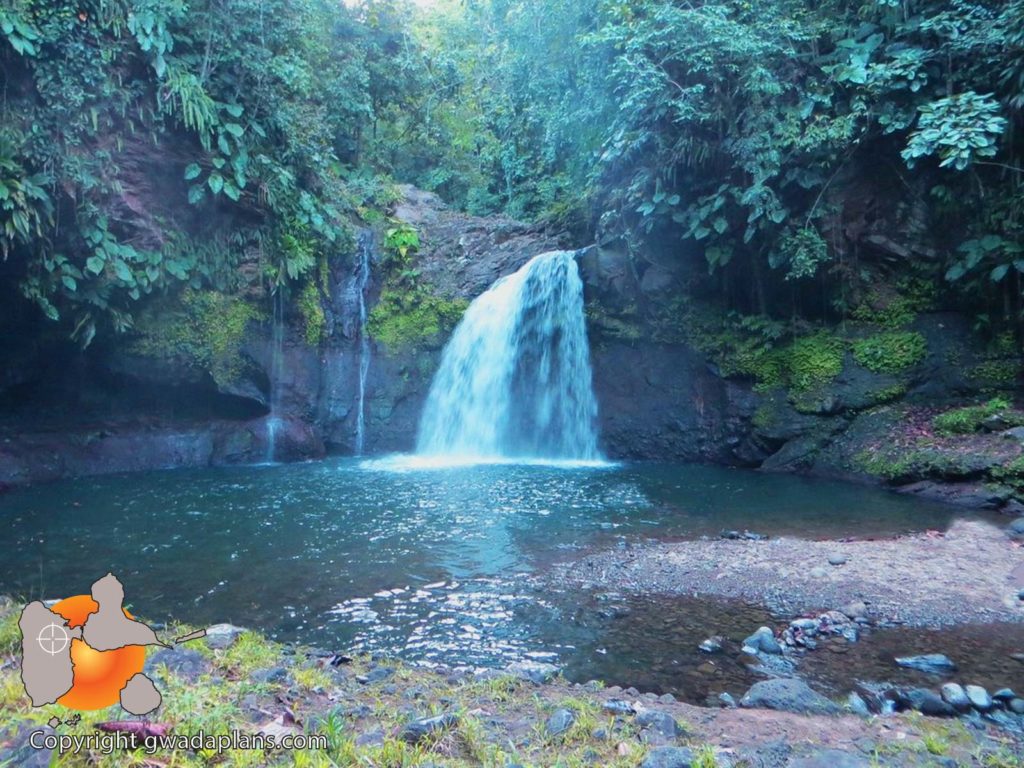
(406,318)
(208,332)
(891,352)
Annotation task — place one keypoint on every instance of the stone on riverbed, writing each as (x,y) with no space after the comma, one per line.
(788,695)
(837,560)
(979,697)
(954,695)
(1016,528)
(928,703)
(711,645)
(221,636)
(762,640)
(856,704)
(932,663)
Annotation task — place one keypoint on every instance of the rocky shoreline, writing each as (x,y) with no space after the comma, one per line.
(970,573)
(380,712)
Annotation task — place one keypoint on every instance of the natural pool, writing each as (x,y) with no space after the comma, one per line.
(434,564)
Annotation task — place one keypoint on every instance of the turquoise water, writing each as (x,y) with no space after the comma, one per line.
(435,565)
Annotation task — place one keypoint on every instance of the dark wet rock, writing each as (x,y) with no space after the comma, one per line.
(979,697)
(186,664)
(856,704)
(927,703)
(668,757)
(831,758)
(762,641)
(932,663)
(742,536)
(271,675)
(788,695)
(417,730)
(534,671)
(711,645)
(618,706)
(954,695)
(1004,694)
(658,727)
(376,675)
(561,720)
(221,636)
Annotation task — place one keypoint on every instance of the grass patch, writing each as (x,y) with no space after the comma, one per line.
(967,421)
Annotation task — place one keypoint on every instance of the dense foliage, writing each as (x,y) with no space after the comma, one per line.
(149,145)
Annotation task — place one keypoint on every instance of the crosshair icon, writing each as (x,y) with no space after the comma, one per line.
(53,639)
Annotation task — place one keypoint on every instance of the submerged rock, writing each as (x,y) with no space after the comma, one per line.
(932,663)
(711,645)
(788,695)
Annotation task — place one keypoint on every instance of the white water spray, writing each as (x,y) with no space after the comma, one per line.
(515,379)
(276,368)
(361,282)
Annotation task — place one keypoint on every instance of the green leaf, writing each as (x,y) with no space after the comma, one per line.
(94,264)
(234,129)
(69,282)
(196,194)
(232,191)
(216,182)
(192,172)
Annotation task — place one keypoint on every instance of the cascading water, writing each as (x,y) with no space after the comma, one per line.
(361,282)
(276,367)
(515,379)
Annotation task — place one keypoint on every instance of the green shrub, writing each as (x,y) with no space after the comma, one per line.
(208,332)
(891,352)
(814,361)
(967,421)
(405,318)
(313,314)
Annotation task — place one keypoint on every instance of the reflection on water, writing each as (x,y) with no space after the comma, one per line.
(435,565)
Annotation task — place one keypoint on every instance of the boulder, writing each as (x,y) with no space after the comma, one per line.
(788,695)
(831,758)
(954,695)
(561,720)
(979,698)
(932,663)
(762,641)
(668,757)
(927,703)
(417,730)
(658,727)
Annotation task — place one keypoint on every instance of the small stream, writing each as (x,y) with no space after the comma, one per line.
(440,566)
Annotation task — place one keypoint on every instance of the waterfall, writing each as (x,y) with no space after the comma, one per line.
(515,379)
(361,282)
(276,368)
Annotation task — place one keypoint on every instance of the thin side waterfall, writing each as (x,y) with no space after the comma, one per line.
(362,282)
(515,379)
(276,367)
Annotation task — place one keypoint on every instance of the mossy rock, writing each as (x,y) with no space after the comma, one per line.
(208,333)
(411,318)
(892,352)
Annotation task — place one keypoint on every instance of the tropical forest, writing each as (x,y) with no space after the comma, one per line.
(546,383)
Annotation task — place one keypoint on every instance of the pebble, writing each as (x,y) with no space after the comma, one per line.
(1004,694)
(711,645)
(858,609)
(1016,706)
(837,560)
(818,573)
(727,700)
